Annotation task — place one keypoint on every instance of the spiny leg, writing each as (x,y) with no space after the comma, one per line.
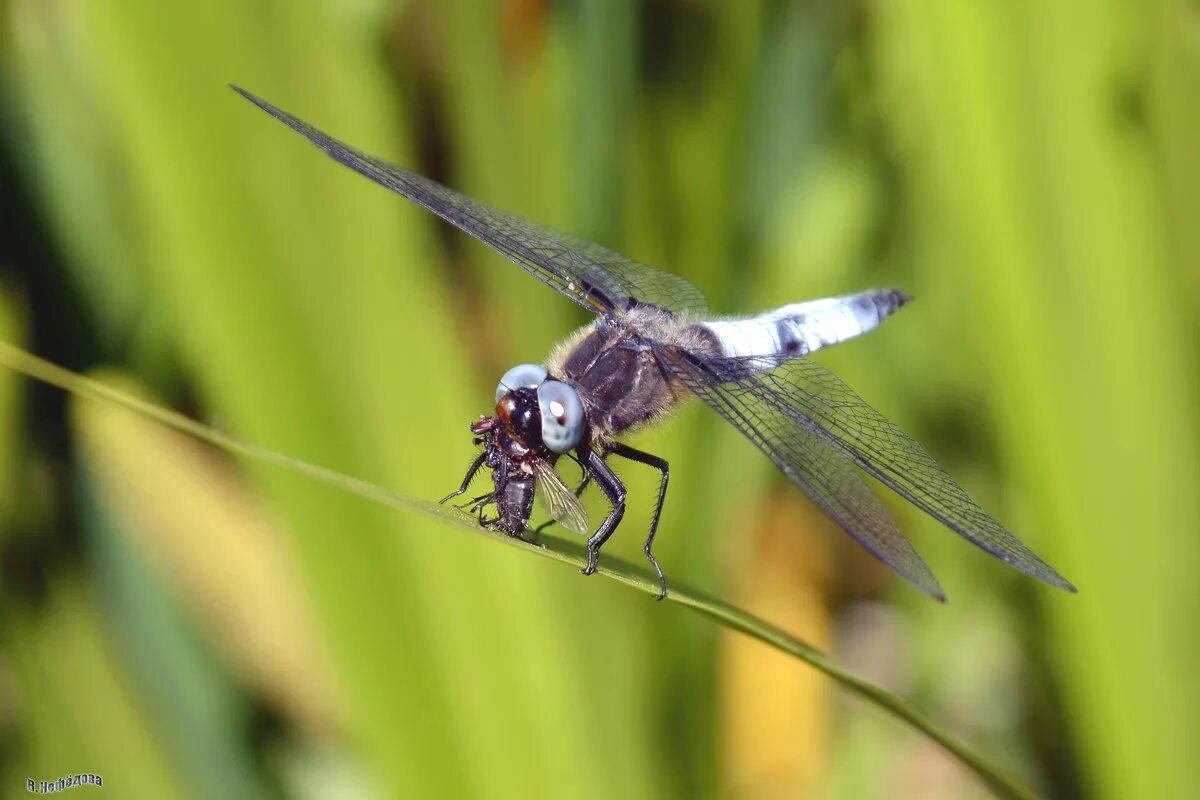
(661,465)
(475,465)
(587,474)
(614,490)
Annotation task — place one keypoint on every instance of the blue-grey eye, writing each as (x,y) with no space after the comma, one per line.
(562,415)
(522,376)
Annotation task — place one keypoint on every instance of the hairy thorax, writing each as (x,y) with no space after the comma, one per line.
(619,379)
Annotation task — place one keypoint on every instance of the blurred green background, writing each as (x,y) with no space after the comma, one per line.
(187,625)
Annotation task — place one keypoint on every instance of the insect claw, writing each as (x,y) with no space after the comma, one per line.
(662,580)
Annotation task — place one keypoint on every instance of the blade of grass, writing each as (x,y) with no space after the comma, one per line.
(1003,784)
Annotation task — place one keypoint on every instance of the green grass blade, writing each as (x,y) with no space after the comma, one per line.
(568,552)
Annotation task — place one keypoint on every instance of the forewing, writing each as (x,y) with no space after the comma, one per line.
(825,474)
(814,398)
(593,276)
(559,501)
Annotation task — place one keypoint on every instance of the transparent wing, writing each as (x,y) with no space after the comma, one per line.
(813,398)
(825,474)
(593,276)
(559,501)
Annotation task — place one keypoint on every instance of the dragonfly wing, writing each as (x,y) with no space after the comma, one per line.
(815,399)
(593,276)
(559,501)
(827,475)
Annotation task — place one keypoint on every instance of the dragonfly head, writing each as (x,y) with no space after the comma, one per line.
(538,412)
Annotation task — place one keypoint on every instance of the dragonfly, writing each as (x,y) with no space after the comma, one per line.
(653,346)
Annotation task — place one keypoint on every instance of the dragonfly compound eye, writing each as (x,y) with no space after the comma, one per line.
(522,376)
(562,415)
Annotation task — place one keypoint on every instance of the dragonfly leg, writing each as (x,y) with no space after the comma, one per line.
(661,465)
(614,490)
(475,465)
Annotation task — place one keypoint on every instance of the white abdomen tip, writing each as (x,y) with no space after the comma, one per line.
(802,328)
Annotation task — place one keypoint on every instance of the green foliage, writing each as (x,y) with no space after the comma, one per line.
(1027,172)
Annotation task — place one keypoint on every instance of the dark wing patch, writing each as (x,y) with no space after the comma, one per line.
(593,276)
(825,474)
(813,398)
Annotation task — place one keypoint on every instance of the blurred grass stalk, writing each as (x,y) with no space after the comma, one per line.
(1031,139)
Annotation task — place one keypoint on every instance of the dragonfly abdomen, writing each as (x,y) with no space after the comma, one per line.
(802,328)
